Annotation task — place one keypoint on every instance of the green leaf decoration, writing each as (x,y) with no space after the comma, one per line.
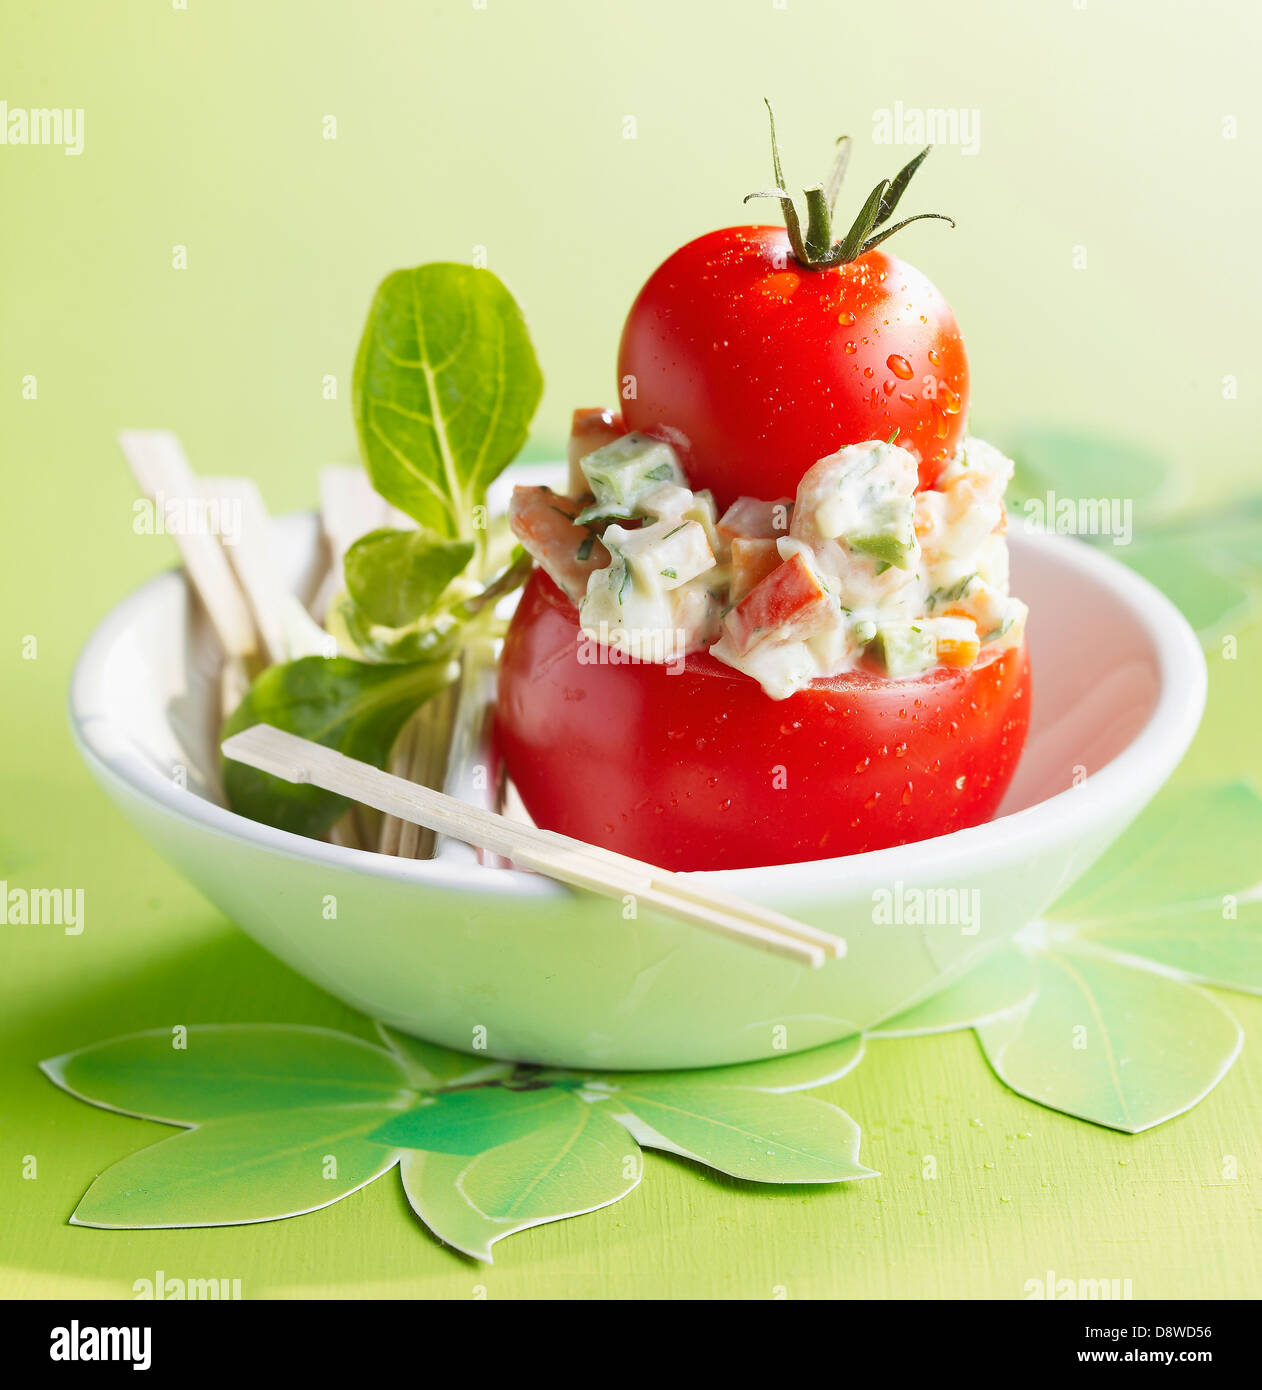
(249,1168)
(1074,465)
(1189,846)
(445,386)
(396,577)
(1203,583)
(1104,1041)
(795,1071)
(766,1137)
(1004,981)
(1201,944)
(578,1159)
(470,1122)
(431,1184)
(288,1119)
(431,1067)
(230,1070)
(352,706)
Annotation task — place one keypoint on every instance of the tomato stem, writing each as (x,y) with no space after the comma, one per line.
(816,250)
(819,230)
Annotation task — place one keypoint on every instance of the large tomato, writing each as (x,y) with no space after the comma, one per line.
(699,769)
(754,366)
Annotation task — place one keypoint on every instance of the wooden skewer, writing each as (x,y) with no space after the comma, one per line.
(297,759)
(162,472)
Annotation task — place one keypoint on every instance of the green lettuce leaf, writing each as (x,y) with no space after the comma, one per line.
(445,386)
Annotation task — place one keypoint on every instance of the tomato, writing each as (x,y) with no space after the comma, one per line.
(694,767)
(754,367)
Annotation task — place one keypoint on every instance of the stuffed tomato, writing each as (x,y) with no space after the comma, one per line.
(690,765)
(767,630)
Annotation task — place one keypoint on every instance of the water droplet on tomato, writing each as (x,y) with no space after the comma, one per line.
(950,401)
(888,387)
(935,357)
(907,398)
(867,371)
(900,366)
(849,348)
(845,318)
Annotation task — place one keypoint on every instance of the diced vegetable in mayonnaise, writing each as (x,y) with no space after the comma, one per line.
(654,595)
(623,473)
(859,569)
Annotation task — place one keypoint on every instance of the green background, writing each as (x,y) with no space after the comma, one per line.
(1102,127)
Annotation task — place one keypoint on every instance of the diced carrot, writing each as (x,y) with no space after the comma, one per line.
(543,521)
(954,653)
(752,562)
(789,603)
(959,651)
(592,428)
(754,520)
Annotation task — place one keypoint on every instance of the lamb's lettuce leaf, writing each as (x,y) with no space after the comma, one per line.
(396,577)
(349,705)
(445,386)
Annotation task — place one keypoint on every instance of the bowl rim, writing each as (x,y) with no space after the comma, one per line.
(1115,791)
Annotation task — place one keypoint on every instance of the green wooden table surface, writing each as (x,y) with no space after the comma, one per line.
(198,136)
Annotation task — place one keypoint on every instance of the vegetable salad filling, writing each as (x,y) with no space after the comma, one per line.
(859,571)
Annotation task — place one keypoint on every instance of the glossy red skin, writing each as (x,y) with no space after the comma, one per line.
(751,367)
(681,770)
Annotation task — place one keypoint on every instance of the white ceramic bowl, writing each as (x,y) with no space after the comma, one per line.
(478,957)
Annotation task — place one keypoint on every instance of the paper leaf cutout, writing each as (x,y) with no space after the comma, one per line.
(1004,981)
(795,1071)
(249,1168)
(560,1171)
(762,1136)
(1203,584)
(576,1161)
(431,1067)
(1199,943)
(470,1122)
(1107,1042)
(1185,848)
(430,1182)
(1069,465)
(233,1069)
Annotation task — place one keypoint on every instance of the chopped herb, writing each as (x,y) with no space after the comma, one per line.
(893,437)
(882,566)
(675,532)
(669,574)
(585,550)
(660,473)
